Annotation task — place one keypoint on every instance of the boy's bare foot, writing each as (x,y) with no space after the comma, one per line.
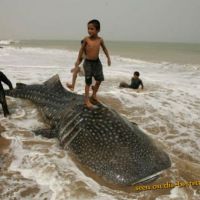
(70,86)
(88,104)
(94,100)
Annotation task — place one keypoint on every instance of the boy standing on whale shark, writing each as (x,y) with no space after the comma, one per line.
(92,64)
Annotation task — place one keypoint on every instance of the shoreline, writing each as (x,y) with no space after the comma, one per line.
(156,52)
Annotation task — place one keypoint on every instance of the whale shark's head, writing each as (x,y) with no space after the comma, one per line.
(110,145)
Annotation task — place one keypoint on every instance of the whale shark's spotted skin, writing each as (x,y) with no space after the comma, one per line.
(101,139)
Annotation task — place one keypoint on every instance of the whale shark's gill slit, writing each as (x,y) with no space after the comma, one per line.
(70,137)
(69,129)
(70,118)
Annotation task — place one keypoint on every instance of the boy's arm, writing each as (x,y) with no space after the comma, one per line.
(105,51)
(80,54)
(141,84)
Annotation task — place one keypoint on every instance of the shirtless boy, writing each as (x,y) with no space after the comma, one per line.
(92,64)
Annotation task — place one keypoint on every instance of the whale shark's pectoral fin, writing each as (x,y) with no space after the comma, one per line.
(94,101)
(48,133)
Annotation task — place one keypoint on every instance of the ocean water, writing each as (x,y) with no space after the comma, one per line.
(168,110)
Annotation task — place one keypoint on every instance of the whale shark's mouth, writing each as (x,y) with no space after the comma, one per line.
(149,179)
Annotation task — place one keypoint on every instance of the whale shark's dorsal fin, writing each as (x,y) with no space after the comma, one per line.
(54,82)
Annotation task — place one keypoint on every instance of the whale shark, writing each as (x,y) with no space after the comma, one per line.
(101,139)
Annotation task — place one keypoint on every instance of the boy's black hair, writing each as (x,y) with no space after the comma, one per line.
(96,24)
(136,73)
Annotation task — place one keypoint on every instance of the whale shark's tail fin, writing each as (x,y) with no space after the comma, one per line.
(20,85)
(54,81)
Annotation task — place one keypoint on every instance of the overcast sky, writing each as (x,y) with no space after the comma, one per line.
(132,20)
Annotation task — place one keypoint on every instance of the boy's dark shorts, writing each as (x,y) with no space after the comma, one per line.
(93,68)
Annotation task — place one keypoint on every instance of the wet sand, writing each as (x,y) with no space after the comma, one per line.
(4,149)
(12,181)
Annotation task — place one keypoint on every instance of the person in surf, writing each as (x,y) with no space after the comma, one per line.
(136,82)
(5,80)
